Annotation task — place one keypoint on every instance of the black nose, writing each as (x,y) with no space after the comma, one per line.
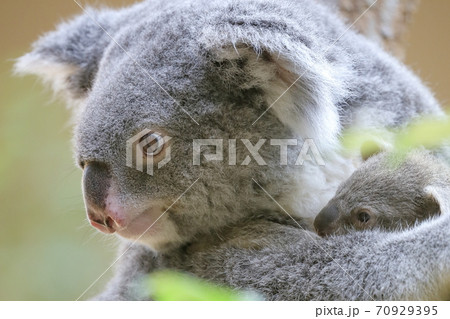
(325,220)
(96,183)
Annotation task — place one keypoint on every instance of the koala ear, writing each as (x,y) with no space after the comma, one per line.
(68,58)
(300,87)
(437,200)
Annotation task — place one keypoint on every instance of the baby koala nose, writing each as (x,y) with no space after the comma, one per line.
(325,220)
(101,205)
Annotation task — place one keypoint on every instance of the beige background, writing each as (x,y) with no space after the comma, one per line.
(48,251)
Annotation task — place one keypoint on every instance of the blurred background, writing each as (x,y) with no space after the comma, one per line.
(48,251)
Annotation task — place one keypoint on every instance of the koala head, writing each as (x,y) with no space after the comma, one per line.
(389,191)
(162,75)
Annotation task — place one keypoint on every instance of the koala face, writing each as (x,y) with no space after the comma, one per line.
(336,221)
(124,101)
(164,75)
(217,95)
(388,192)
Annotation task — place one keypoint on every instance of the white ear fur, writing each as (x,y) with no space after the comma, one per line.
(300,90)
(54,73)
(304,101)
(441,196)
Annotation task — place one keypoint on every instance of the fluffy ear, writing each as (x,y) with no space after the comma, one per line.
(437,200)
(301,87)
(68,58)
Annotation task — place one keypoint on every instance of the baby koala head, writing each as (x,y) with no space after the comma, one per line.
(389,192)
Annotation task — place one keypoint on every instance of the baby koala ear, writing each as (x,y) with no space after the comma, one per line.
(436,200)
(68,57)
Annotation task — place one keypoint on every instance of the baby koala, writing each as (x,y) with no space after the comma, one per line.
(389,192)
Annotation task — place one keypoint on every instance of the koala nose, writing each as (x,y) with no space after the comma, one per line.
(101,221)
(96,189)
(325,220)
(96,183)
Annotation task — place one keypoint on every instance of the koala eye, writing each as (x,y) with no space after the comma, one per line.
(363,216)
(151,144)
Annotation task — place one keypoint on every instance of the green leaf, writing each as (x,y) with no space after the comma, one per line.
(429,132)
(171,286)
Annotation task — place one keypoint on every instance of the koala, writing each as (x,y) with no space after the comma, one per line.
(157,77)
(389,191)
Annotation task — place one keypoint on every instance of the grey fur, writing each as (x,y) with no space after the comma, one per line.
(283,262)
(225,62)
(391,192)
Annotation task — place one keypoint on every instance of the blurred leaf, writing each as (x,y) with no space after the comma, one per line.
(364,141)
(426,131)
(171,286)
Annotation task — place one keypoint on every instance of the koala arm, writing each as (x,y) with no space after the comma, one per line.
(287,263)
(292,264)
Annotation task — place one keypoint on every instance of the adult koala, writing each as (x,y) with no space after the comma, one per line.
(174,72)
